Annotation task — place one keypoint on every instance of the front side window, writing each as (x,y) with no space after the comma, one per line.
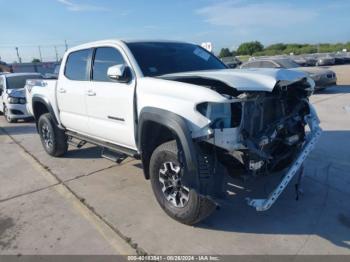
(77,65)
(17,82)
(160,58)
(105,57)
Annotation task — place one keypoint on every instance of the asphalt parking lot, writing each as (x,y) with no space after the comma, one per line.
(84,204)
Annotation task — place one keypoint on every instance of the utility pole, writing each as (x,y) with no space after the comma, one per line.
(40,55)
(56,53)
(66,45)
(19,58)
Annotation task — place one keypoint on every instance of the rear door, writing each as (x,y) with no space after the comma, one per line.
(109,102)
(71,91)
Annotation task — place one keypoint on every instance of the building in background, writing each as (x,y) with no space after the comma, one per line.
(43,68)
(4,67)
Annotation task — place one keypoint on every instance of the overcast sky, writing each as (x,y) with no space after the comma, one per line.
(226,23)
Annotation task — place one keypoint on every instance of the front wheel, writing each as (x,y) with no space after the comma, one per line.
(53,139)
(178,201)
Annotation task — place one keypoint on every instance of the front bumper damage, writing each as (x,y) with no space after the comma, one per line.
(310,141)
(230,140)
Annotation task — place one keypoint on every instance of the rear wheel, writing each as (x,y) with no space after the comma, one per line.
(53,139)
(178,201)
(8,117)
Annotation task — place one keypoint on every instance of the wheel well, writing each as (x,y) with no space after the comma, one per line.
(39,109)
(152,135)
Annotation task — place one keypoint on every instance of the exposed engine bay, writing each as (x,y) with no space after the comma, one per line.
(256,132)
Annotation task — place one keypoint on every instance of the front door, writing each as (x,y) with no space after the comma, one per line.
(109,102)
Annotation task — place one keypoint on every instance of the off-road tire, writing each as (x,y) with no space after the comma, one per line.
(197,207)
(58,145)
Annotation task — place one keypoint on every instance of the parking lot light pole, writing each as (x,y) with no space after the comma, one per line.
(56,53)
(40,55)
(19,58)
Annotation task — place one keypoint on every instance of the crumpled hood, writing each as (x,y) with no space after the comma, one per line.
(19,93)
(262,79)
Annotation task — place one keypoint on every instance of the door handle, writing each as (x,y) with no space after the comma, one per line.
(62,90)
(91,93)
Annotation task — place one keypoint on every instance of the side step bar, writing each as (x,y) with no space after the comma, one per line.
(112,155)
(108,148)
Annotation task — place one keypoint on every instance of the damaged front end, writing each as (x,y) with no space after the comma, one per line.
(256,133)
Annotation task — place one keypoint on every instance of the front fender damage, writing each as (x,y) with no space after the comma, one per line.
(276,132)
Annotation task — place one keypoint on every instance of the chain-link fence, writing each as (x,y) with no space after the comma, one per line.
(25,54)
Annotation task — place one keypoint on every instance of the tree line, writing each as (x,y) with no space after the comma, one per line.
(255,48)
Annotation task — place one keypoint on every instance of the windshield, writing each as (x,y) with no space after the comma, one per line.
(287,63)
(16,82)
(57,69)
(157,58)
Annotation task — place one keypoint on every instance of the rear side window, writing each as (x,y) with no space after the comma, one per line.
(77,65)
(105,57)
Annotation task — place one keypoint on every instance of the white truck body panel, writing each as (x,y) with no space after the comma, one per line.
(41,88)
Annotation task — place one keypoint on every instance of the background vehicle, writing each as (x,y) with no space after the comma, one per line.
(180,110)
(323,77)
(231,62)
(12,96)
(325,60)
(304,60)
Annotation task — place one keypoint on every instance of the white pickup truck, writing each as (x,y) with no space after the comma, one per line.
(179,109)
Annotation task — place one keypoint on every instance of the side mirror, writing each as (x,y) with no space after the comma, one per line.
(120,73)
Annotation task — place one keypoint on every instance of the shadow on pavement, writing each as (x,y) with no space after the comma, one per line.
(19,128)
(85,152)
(338,89)
(323,210)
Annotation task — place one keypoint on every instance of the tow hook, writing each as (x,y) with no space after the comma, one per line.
(298,189)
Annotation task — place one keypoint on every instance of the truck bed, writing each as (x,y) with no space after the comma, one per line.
(42,87)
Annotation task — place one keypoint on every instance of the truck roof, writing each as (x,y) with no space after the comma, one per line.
(120,42)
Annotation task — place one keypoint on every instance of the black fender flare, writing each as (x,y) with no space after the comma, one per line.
(43,100)
(179,127)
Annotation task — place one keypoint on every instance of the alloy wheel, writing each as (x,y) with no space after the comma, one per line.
(47,136)
(172,188)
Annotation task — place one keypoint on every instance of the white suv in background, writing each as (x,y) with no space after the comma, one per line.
(12,95)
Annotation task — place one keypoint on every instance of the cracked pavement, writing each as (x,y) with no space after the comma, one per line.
(84,204)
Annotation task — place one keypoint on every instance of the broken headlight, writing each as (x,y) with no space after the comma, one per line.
(221,115)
